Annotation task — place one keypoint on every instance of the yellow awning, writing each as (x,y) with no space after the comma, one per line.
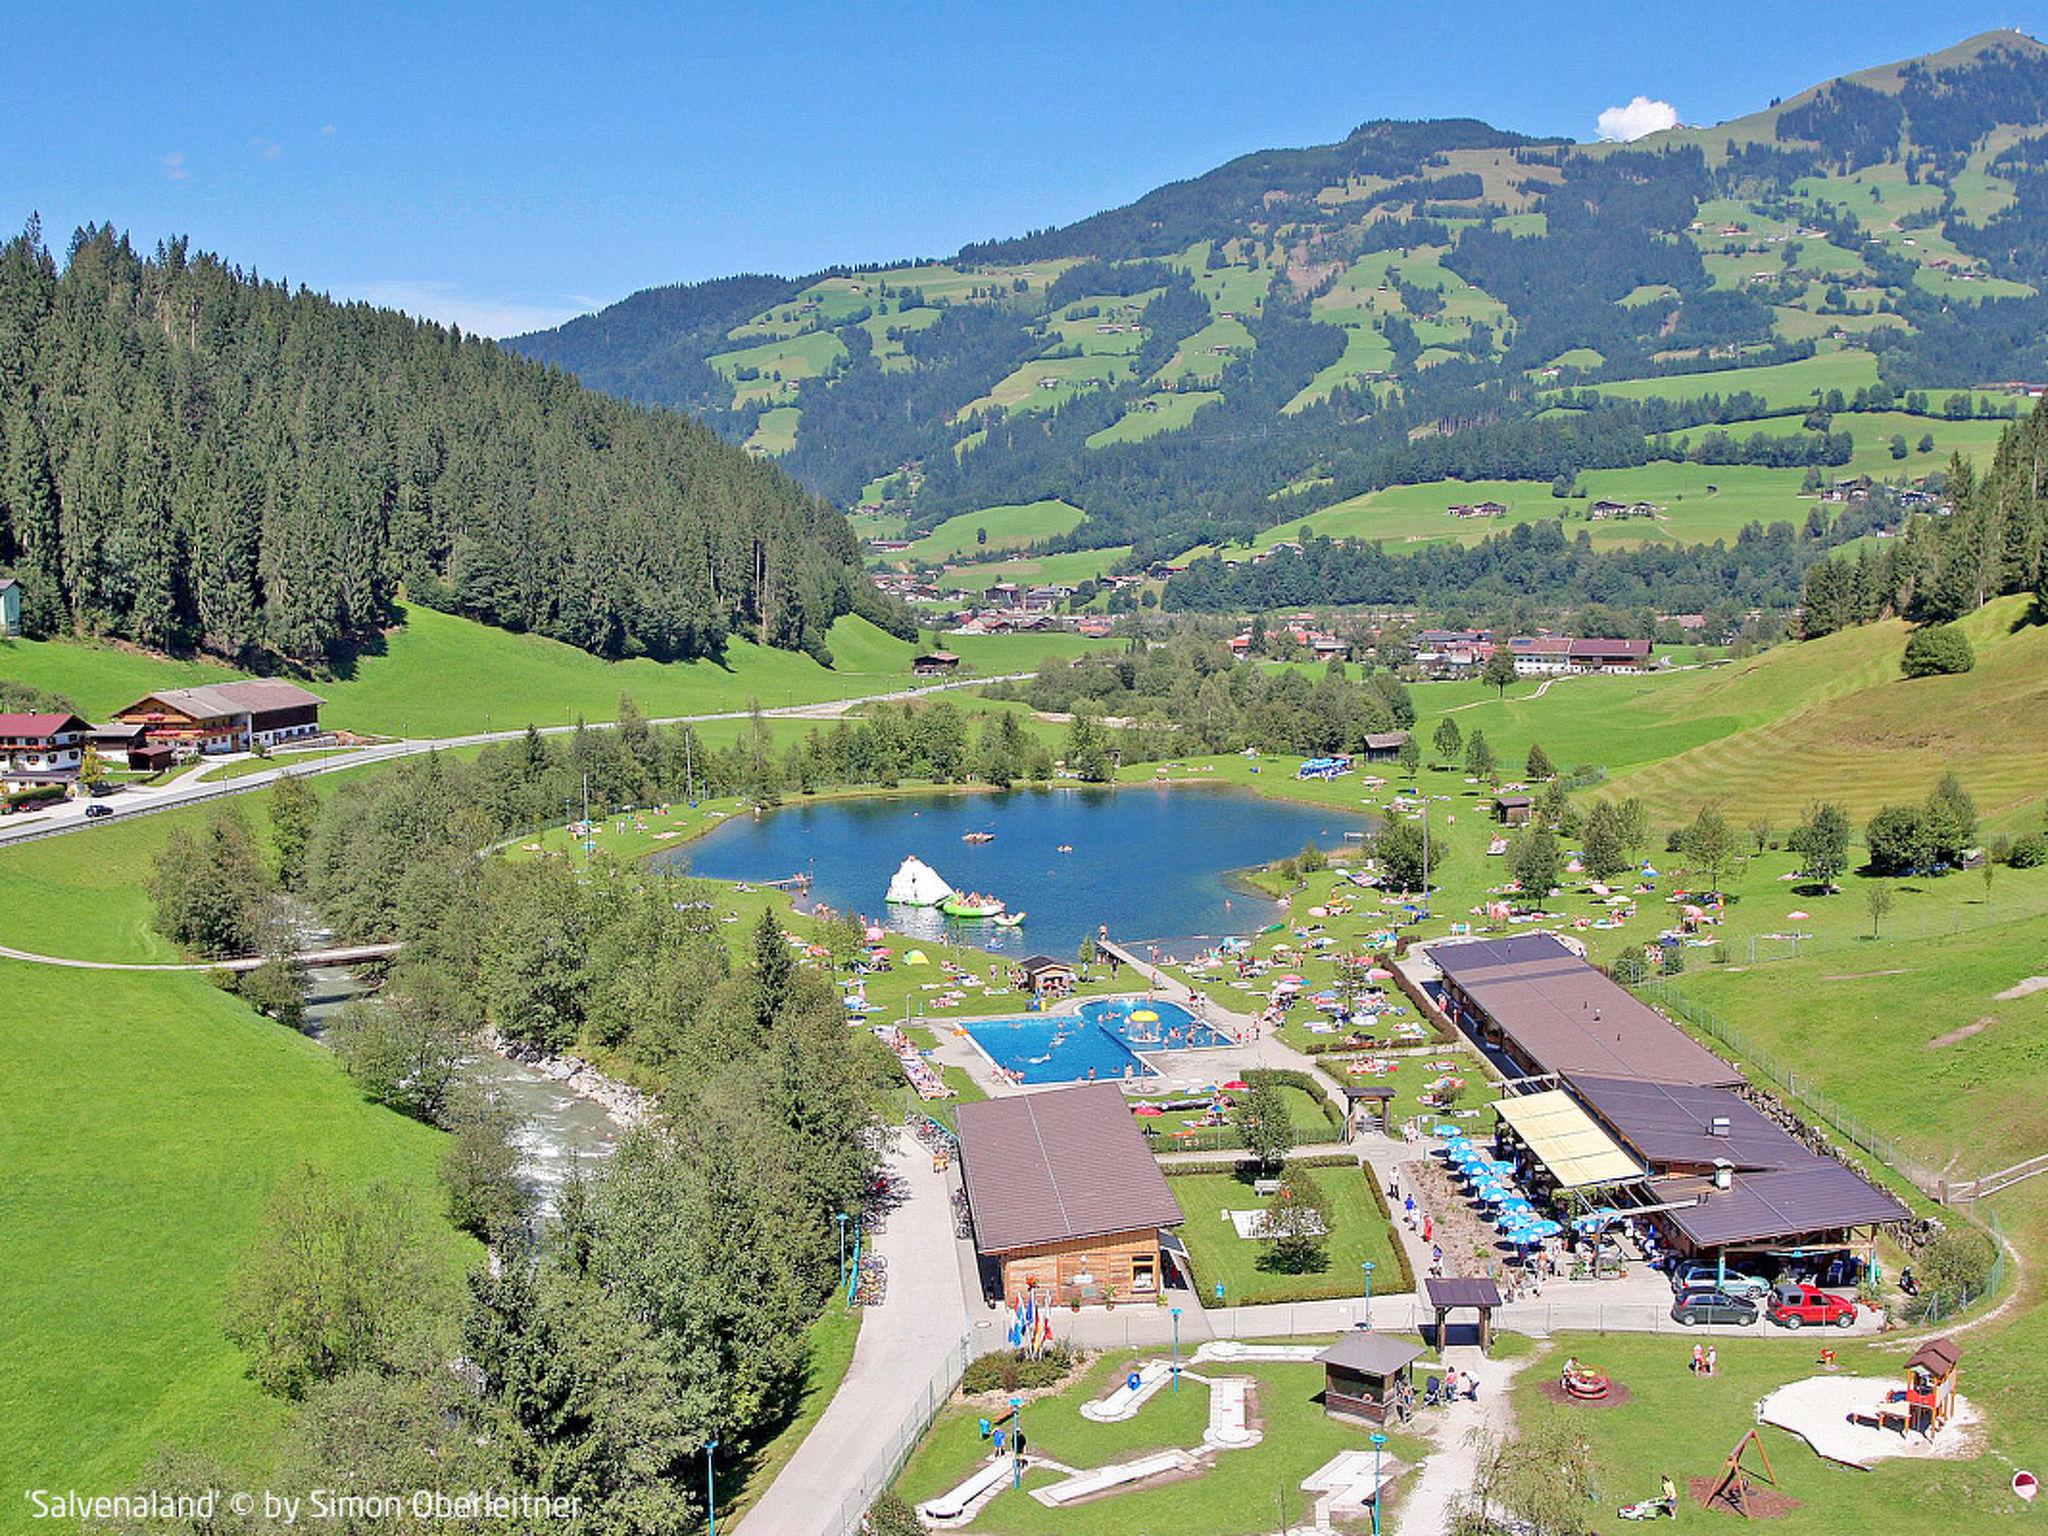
(1565,1139)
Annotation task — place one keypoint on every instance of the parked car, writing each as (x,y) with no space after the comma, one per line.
(1694,1307)
(1794,1305)
(1705,1277)
(95,812)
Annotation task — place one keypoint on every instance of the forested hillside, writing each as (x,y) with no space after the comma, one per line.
(193,456)
(1303,326)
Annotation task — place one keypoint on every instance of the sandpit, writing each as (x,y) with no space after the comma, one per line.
(1817,1410)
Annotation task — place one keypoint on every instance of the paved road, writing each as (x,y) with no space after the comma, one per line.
(904,1345)
(345,954)
(190,790)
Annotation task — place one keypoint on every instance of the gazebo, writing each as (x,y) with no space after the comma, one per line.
(1364,1374)
(1367,1104)
(1449,1293)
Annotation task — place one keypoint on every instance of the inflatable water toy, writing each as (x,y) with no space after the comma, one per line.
(917,884)
(974,905)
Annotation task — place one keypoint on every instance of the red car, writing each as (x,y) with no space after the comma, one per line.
(1793,1305)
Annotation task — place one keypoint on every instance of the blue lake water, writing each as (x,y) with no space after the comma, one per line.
(1151,863)
(1098,1042)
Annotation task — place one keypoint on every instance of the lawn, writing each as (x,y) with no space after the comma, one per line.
(1358,1233)
(99,678)
(1684,1425)
(143,1121)
(775,432)
(1244,1491)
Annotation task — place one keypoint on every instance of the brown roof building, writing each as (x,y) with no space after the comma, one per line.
(226,717)
(1553,1013)
(1066,1198)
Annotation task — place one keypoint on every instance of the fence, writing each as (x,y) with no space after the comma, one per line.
(888,1461)
(1818,1105)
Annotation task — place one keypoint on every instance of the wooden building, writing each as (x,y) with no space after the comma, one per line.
(1066,1199)
(1047,977)
(1366,1374)
(1513,810)
(226,717)
(935,664)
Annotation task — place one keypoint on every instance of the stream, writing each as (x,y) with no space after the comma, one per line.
(556,1125)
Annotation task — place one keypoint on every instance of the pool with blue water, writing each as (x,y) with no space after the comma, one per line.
(1103,1037)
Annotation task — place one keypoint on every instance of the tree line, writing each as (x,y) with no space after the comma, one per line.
(194,456)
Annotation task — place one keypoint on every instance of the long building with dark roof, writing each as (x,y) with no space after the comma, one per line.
(1552,1013)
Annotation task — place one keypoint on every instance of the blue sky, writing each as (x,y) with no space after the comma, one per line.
(506,167)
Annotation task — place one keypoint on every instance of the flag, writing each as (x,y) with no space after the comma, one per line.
(1016,1335)
(1044,1329)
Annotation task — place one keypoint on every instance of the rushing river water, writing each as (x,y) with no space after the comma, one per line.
(556,1125)
(1150,862)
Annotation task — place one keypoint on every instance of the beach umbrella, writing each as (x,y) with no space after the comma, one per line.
(1235,1085)
(1542,1229)
(917,957)
(874,932)
(1145,1016)
(1447,1131)
(1148,1109)
(1798,917)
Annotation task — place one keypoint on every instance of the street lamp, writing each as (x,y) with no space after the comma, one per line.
(841,1219)
(1176,1347)
(1016,1442)
(710,1488)
(1378,1442)
(1367,1267)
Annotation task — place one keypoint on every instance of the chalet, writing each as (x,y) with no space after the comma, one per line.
(1513,810)
(1605,509)
(10,607)
(41,750)
(1329,648)
(128,745)
(888,546)
(1610,655)
(1066,1200)
(935,664)
(1477,509)
(226,717)
(1541,655)
(1006,594)
(1045,598)
(1044,976)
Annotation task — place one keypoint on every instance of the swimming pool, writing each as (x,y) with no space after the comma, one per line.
(1102,1039)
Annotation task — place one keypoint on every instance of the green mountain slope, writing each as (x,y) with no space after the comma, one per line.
(1396,308)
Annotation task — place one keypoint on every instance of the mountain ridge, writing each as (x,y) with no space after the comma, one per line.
(1296,317)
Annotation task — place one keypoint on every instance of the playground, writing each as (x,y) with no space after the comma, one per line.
(1235,1441)
(1770,1434)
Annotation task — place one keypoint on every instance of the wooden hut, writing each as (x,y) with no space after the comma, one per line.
(1365,1375)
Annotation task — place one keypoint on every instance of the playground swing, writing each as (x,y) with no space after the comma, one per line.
(1732,1487)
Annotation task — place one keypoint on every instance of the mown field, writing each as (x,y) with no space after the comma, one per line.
(1013,527)
(143,1123)
(440,675)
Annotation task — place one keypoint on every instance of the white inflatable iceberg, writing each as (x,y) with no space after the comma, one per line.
(917,884)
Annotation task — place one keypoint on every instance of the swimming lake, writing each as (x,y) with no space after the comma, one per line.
(1150,862)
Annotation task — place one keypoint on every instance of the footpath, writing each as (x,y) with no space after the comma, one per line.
(897,1378)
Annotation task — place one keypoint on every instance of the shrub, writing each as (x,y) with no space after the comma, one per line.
(890,1516)
(1006,1372)
(1630,970)
(2028,852)
(1938,650)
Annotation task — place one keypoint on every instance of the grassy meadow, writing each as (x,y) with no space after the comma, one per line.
(143,1122)
(440,675)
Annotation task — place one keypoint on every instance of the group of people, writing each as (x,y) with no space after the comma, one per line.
(1705,1360)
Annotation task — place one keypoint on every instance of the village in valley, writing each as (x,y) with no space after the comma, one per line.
(1359,847)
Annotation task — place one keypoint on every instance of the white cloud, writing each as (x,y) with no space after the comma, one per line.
(269,149)
(327,130)
(1642,115)
(479,314)
(174,166)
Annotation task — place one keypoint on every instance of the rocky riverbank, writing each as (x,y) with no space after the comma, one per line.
(627,1106)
